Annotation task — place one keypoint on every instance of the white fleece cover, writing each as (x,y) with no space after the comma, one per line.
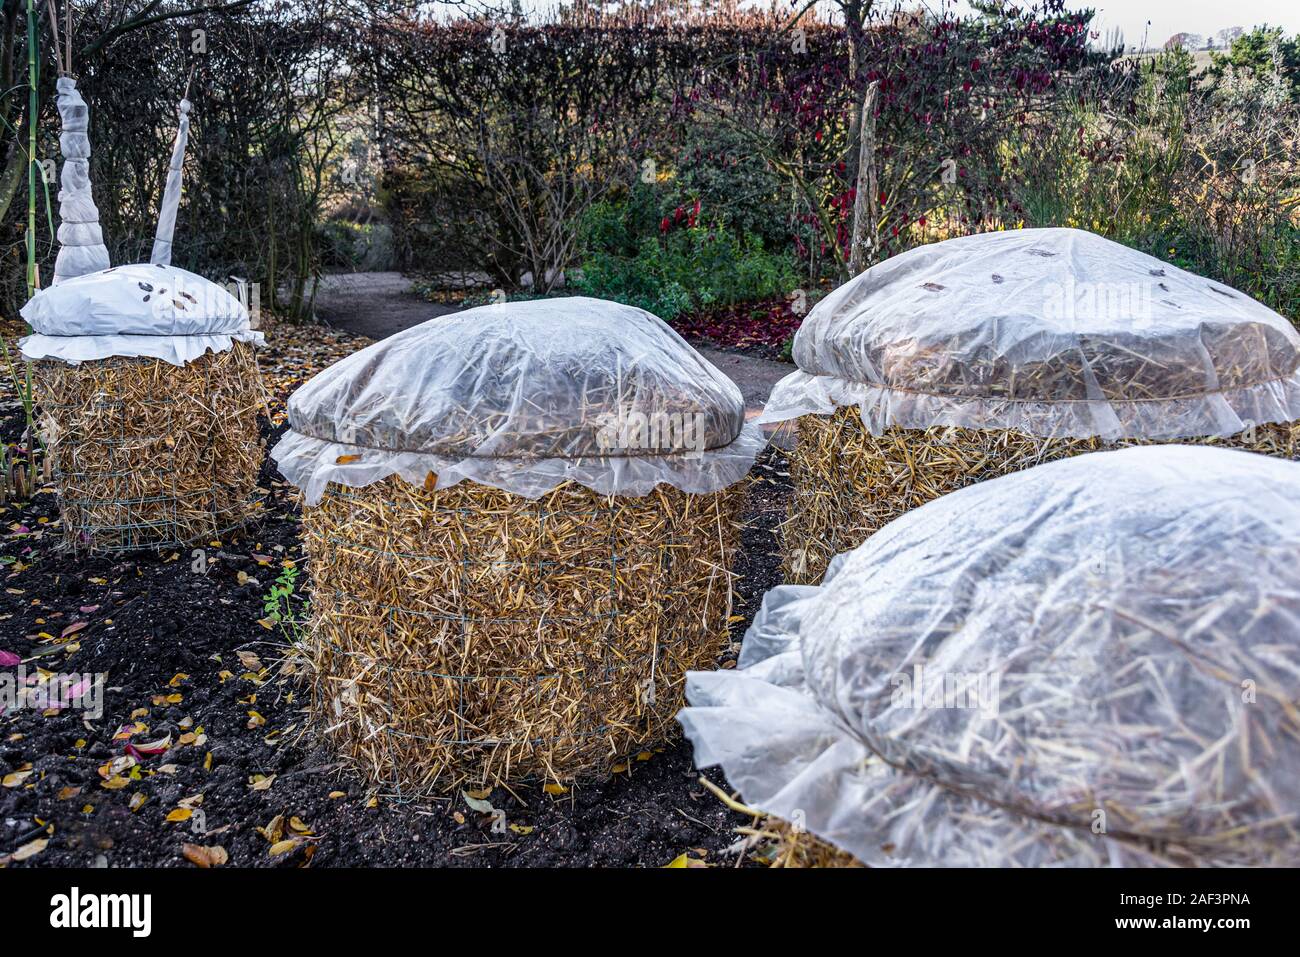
(523,397)
(1053,332)
(1091,662)
(143,309)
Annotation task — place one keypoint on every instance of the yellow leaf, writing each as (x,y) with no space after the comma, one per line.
(180,814)
(283,847)
(177,679)
(137,801)
(261,782)
(87,809)
(345,459)
(554,788)
(255,720)
(16,778)
(681,860)
(335,795)
(521,829)
(67,794)
(115,783)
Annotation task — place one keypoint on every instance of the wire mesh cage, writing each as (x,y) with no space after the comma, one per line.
(469,635)
(147,454)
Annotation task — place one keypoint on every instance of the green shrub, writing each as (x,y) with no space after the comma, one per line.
(689,269)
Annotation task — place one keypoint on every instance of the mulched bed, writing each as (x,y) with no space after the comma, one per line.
(202,739)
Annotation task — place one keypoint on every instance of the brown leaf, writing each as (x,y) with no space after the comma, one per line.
(204,857)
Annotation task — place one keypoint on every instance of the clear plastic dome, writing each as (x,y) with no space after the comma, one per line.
(1049,331)
(524,396)
(1093,661)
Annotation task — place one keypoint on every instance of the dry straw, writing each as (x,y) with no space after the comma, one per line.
(778,843)
(849,483)
(148,454)
(472,636)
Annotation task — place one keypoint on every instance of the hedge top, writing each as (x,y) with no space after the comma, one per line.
(1049,331)
(1111,632)
(523,396)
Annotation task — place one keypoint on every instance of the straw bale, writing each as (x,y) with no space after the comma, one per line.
(849,483)
(148,454)
(470,636)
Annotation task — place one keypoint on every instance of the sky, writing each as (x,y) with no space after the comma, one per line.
(1205,17)
(1157,20)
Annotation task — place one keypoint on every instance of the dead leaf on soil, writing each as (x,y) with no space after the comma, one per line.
(204,857)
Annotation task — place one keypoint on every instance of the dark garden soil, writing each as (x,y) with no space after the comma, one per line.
(202,739)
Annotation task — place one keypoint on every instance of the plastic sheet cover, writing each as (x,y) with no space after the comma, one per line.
(523,397)
(138,310)
(1054,332)
(1092,662)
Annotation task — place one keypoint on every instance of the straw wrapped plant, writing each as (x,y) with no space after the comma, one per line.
(147,454)
(145,373)
(980,356)
(509,584)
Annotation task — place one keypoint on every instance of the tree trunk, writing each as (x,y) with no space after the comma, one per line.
(864,201)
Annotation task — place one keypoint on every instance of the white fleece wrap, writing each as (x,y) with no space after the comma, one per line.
(81,241)
(162,243)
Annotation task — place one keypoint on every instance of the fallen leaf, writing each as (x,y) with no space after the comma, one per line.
(283,847)
(180,814)
(31,849)
(204,857)
(261,782)
(345,459)
(8,659)
(16,778)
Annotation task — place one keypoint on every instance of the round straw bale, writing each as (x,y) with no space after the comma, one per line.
(148,454)
(471,635)
(849,483)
